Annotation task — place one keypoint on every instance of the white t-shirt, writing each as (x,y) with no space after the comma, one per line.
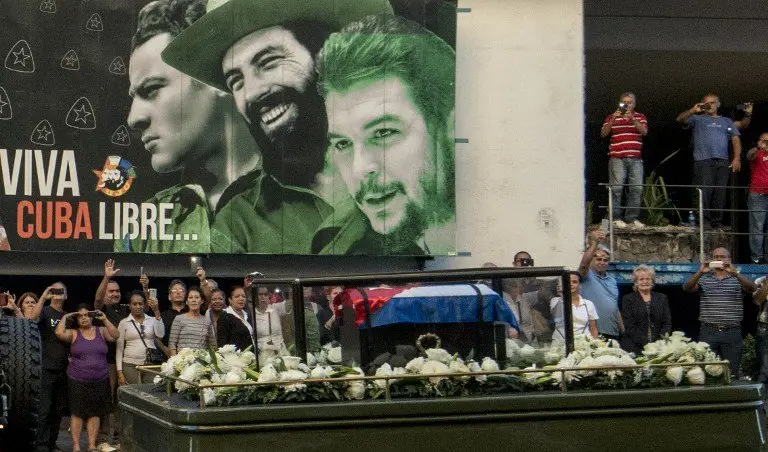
(268,326)
(582,315)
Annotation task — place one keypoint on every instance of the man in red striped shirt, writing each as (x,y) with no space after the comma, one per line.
(626,128)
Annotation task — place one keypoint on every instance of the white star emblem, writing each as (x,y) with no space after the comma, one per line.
(121,136)
(48,6)
(2,104)
(43,132)
(69,60)
(21,57)
(82,111)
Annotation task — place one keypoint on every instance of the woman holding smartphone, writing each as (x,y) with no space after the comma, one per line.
(88,371)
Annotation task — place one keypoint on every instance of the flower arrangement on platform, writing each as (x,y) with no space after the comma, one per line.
(228,376)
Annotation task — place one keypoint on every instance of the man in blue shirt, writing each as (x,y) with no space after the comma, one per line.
(599,287)
(712,134)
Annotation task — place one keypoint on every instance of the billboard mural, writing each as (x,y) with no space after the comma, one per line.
(228,126)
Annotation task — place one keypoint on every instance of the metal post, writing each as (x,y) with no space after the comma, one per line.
(253,288)
(299,333)
(610,221)
(701,225)
(567,311)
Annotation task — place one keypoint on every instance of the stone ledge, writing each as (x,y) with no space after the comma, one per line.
(665,243)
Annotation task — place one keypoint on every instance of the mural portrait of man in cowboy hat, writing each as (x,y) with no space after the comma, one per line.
(263,53)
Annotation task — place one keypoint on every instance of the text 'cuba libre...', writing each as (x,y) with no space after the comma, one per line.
(37,175)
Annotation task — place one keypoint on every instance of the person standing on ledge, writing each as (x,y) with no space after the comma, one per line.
(626,128)
(712,134)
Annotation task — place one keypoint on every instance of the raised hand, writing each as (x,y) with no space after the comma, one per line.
(109,269)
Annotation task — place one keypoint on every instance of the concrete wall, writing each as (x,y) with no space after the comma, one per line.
(520,179)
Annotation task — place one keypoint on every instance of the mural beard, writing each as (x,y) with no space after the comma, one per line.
(295,153)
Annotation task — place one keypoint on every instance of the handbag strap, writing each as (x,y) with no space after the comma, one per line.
(141,336)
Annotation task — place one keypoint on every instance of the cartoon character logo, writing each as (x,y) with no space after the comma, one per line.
(116,177)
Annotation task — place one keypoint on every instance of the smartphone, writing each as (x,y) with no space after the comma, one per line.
(153,293)
(605,226)
(93,314)
(141,270)
(716,264)
(194,263)
(56,291)
(3,300)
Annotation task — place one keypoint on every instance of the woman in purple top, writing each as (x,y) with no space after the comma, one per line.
(88,371)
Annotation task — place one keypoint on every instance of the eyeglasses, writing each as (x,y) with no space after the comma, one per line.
(601,259)
(141,333)
(177,290)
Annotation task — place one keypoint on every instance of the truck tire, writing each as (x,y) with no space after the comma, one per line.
(21,361)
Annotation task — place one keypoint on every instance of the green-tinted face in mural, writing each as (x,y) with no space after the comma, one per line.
(388,85)
(379,142)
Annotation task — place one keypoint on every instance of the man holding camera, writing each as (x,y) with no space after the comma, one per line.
(712,134)
(627,129)
(721,305)
(53,390)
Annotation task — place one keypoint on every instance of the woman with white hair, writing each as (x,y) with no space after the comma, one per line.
(645,313)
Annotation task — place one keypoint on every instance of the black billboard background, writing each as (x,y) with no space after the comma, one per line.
(65,59)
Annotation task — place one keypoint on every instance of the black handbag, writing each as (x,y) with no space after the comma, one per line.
(152,355)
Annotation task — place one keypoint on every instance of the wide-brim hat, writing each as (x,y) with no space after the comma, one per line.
(199,50)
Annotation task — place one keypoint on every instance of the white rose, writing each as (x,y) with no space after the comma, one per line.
(232,377)
(209,396)
(167,368)
(227,349)
(296,387)
(696,376)
(291,362)
(311,360)
(289,375)
(157,380)
(458,367)
(334,355)
(268,374)
(438,354)
(191,372)
(528,352)
(475,367)
(434,367)
(414,366)
(319,372)
(384,371)
(714,370)
(675,374)
(356,390)
(489,365)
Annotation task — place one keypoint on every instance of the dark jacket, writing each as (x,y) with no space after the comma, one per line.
(635,316)
(231,330)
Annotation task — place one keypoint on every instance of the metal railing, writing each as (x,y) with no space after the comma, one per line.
(699,228)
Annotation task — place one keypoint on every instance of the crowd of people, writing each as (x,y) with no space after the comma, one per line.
(642,315)
(717,151)
(89,352)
